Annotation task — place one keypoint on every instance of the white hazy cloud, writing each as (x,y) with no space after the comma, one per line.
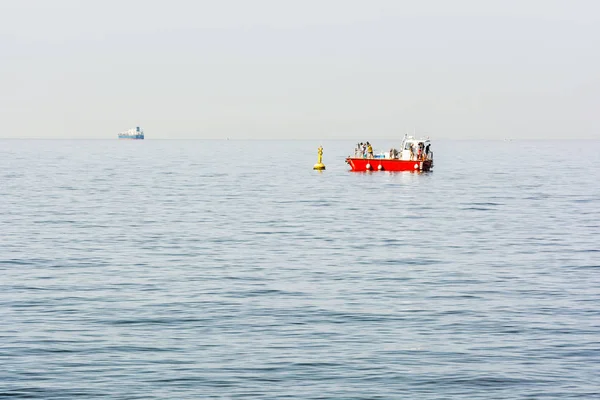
(300,69)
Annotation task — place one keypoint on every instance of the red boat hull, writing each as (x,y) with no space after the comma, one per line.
(383,164)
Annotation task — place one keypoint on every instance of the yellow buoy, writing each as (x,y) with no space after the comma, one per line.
(319,165)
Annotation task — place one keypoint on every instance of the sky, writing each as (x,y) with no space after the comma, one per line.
(300,69)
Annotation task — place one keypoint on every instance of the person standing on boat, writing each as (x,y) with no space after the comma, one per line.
(427,150)
(370,150)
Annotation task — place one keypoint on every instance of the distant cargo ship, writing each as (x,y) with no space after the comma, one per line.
(133,133)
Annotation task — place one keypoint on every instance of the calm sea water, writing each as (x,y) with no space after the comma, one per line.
(229,269)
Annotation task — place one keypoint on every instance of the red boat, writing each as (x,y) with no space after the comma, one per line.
(414,155)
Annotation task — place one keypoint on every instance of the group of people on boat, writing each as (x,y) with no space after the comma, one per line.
(420,152)
(364,150)
(413,150)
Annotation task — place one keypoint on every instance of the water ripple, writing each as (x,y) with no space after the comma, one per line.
(152,270)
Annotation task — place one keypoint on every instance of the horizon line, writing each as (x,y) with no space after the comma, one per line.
(298,140)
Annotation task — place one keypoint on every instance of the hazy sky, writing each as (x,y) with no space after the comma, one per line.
(331,69)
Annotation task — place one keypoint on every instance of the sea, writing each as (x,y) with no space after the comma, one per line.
(227,269)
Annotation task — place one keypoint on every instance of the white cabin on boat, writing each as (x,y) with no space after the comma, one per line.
(410,149)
